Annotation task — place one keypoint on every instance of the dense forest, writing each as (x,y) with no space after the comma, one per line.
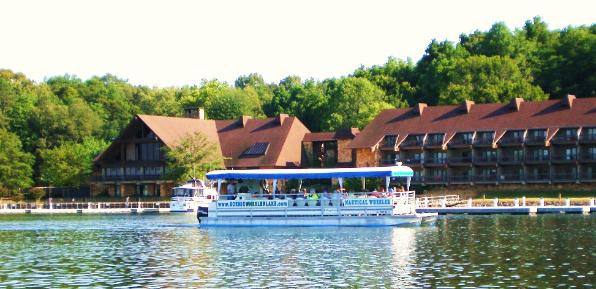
(50,131)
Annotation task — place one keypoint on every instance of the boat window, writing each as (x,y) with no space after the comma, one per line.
(180,192)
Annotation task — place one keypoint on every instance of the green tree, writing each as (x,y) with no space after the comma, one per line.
(354,102)
(396,78)
(488,79)
(193,157)
(15,164)
(69,164)
(233,103)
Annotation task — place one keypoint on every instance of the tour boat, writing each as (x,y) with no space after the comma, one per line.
(336,209)
(188,197)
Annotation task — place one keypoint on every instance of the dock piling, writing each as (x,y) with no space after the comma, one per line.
(495,202)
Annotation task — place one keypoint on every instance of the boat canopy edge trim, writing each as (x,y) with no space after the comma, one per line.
(369,172)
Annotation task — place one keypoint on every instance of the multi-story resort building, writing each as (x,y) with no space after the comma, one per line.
(521,142)
(134,164)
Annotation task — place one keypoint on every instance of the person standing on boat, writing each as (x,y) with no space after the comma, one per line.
(231,190)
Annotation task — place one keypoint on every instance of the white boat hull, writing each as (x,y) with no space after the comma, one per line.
(348,221)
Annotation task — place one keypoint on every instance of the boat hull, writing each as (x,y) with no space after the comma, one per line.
(330,221)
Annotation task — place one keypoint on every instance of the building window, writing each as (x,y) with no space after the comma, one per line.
(435,139)
(518,155)
(148,151)
(485,137)
(390,140)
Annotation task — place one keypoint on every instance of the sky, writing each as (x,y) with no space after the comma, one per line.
(179,42)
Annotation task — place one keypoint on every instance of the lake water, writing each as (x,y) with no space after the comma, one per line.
(545,251)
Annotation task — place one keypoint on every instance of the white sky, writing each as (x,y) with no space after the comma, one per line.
(180,42)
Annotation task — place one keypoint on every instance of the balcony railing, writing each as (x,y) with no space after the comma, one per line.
(434,142)
(126,178)
(485,178)
(460,141)
(587,176)
(538,177)
(435,179)
(511,178)
(460,179)
(511,159)
(438,161)
(411,143)
(564,177)
(512,140)
(588,157)
(483,141)
(537,158)
(412,161)
(588,137)
(535,139)
(452,160)
(564,157)
(485,159)
(564,139)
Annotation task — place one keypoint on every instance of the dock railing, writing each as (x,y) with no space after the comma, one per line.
(437,201)
(85,205)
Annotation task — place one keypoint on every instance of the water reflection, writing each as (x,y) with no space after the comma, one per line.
(171,251)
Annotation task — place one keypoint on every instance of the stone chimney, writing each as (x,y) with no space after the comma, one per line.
(194,112)
(281,118)
(243,120)
(420,108)
(568,100)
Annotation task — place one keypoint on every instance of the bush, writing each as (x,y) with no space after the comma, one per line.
(35,194)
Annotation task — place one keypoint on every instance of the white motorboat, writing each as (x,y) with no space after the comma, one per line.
(336,209)
(188,197)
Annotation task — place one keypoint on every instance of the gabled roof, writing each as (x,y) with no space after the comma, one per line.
(234,137)
(449,119)
(345,133)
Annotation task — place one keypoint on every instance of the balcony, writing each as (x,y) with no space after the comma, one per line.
(537,159)
(461,179)
(511,178)
(538,178)
(413,162)
(127,178)
(587,177)
(510,160)
(460,161)
(417,179)
(588,158)
(588,138)
(562,159)
(486,160)
(460,143)
(435,179)
(411,145)
(483,142)
(564,139)
(511,141)
(433,143)
(535,140)
(442,161)
(564,177)
(485,179)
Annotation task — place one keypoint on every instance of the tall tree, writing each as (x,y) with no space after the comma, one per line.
(69,164)
(193,157)
(15,164)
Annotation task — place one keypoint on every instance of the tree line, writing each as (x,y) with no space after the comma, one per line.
(51,131)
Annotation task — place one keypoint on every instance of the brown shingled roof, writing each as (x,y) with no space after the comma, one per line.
(233,137)
(344,133)
(496,117)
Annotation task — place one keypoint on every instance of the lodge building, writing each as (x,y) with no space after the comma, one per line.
(521,142)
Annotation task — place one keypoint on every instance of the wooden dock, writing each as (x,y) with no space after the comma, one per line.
(508,210)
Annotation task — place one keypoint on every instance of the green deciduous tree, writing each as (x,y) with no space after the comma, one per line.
(15,164)
(193,157)
(488,79)
(69,164)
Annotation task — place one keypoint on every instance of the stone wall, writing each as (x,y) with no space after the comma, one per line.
(344,154)
(366,157)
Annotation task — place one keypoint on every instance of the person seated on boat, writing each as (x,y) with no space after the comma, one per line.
(336,194)
(376,194)
(313,195)
(325,194)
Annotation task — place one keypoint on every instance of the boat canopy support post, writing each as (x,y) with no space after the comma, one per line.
(299,185)
(274,186)
(408,180)
(387,180)
(363,179)
(341,183)
(218,186)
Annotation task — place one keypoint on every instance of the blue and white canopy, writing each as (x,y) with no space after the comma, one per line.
(284,174)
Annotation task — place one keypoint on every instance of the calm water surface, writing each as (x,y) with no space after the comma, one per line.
(547,251)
